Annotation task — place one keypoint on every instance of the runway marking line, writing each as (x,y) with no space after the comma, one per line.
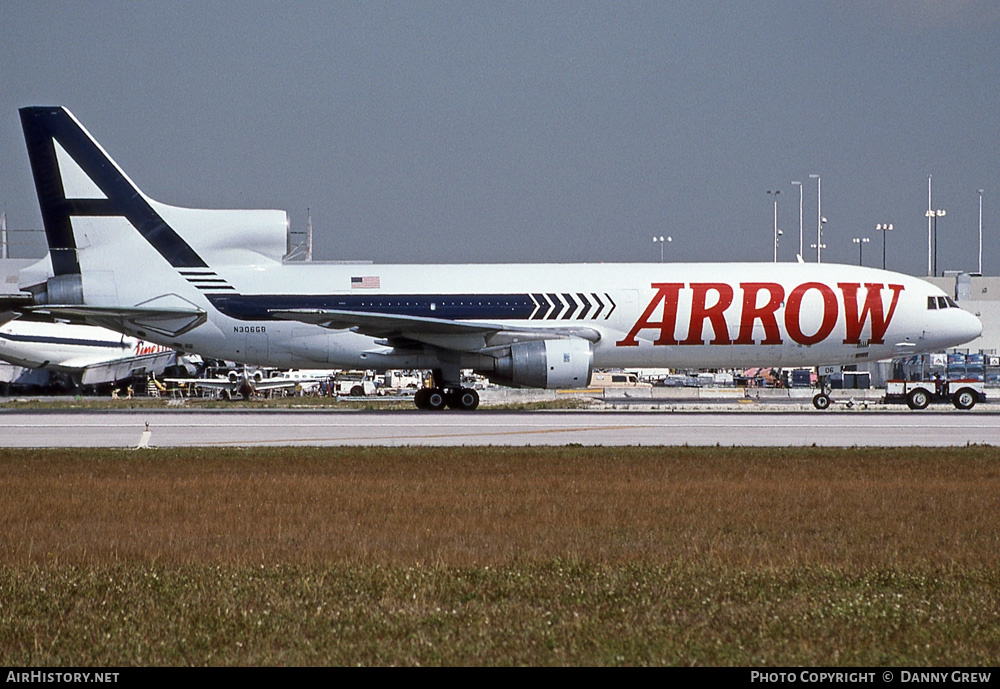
(440,435)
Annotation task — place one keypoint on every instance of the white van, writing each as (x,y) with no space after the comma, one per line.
(617,379)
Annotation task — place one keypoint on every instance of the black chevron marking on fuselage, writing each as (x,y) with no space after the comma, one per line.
(572,306)
(538,306)
(557,307)
(586,306)
(600,306)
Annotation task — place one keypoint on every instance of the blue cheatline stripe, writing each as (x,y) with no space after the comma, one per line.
(493,307)
(43,124)
(445,306)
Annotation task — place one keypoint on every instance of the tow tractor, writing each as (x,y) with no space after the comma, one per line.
(918,394)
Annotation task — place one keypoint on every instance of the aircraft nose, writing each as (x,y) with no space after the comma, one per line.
(969,326)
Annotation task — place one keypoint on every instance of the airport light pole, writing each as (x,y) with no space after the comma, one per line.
(775,193)
(980,232)
(661,240)
(934,215)
(930,233)
(799,185)
(861,241)
(883,228)
(819,218)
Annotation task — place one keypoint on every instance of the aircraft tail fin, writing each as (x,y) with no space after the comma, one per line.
(98,223)
(76,178)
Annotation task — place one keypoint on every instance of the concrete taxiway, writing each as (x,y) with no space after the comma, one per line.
(188,428)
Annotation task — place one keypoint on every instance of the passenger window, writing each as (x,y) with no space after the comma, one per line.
(931,303)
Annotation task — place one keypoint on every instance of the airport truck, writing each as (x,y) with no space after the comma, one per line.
(355,385)
(918,394)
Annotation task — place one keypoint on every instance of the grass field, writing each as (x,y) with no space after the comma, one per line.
(500,556)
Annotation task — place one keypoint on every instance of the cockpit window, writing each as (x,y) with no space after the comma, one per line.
(934,303)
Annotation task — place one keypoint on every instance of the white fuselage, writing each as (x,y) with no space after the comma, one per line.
(67,348)
(647,315)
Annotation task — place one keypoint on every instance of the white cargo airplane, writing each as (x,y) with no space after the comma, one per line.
(214,282)
(83,355)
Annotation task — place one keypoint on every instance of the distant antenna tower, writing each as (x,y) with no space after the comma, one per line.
(309,236)
(298,244)
(3,235)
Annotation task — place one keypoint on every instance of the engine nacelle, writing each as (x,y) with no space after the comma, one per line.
(547,364)
(257,376)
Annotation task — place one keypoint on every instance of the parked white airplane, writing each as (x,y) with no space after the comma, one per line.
(213,282)
(245,383)
(83,354)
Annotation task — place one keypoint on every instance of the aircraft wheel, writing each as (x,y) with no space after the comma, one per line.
(821,401)
(964,399)
(918,399)
(465,399)
(420,398)
(436,399)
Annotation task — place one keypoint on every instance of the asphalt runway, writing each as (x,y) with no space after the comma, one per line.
(123,429)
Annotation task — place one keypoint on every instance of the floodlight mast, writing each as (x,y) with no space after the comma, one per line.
(819,218)
(799,185)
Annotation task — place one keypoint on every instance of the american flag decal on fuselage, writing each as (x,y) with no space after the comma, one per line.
(365,282)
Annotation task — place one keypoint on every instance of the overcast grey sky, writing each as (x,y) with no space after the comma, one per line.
(538,131)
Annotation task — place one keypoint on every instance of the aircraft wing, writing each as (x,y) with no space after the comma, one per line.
(227,384)
(114,371)
(274,384)
(212,383)
(459,335)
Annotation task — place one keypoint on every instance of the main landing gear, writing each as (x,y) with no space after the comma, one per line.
(444,393)
(465,399)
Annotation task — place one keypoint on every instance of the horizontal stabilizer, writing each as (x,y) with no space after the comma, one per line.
(13,305)
(166,321)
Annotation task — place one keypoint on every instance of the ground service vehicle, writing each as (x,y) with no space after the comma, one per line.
(964,394)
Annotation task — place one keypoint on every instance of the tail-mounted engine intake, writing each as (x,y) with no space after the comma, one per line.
(545,364)
(61,289)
